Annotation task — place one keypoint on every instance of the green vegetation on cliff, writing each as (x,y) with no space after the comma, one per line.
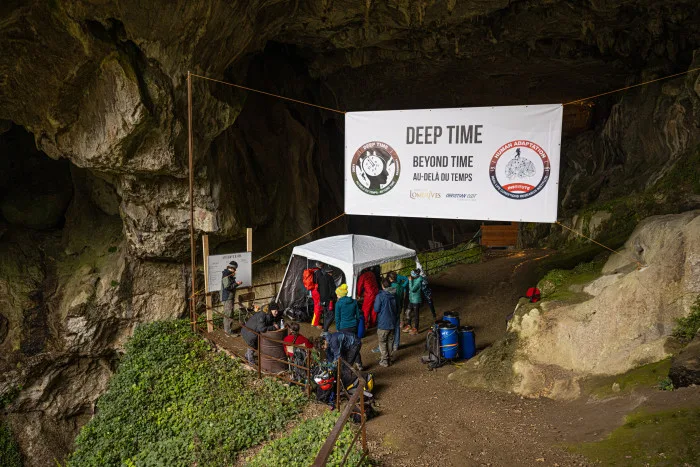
(9,451)
(173,401)
(689,325)
(662,438)
(652,375)
(561,284)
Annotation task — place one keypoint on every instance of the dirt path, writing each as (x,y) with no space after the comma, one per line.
(426,419)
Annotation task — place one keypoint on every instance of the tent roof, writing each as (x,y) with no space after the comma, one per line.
(355,251)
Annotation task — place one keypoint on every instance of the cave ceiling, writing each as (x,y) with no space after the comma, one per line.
(103,84)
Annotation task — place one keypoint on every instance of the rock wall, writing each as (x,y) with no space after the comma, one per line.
(93,241)
(626,322)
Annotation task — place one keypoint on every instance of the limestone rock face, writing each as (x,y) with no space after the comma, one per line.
(101,87)
(626,322)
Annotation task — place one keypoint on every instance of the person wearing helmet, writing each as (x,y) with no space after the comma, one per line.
(229,284)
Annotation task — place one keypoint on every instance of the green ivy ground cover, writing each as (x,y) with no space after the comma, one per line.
(300,447)
(175,402)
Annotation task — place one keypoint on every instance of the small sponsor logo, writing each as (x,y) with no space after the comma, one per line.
(424,195)
(462,196)
(524,165)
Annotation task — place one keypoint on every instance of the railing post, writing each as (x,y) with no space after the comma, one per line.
(259,357)
(362,416)
(337,384)
(307,387)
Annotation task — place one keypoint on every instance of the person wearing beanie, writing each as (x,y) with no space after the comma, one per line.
(229,284)
(347,312)
(260,322)
(415,298)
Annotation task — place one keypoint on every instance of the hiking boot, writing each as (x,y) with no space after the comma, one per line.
(406,328)
(413,332)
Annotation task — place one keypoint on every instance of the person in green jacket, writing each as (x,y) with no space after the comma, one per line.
(415,299)
(347,312)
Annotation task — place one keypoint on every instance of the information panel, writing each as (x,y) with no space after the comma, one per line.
(218,263)
(482,163)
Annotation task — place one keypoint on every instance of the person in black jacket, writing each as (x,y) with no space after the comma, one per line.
(326,291)
(229,284)
(260,322)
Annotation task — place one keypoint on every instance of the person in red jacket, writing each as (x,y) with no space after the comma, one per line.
(296,338)
(367,290)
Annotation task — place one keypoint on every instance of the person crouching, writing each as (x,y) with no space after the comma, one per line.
(260,322)
(295,338)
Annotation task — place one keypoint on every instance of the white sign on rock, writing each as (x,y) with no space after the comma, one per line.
(484,163)
(217,264)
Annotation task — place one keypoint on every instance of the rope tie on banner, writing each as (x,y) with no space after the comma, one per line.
(639,265)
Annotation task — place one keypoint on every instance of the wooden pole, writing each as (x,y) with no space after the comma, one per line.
(193,257)
(337,386)
(259,356)
(207,296)
(308,373)
(249,247)
(362,417)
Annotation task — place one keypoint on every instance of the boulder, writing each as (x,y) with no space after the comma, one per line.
(685,367)
(626,323)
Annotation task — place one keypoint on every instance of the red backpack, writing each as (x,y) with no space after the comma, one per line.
(533,293)
(308,278)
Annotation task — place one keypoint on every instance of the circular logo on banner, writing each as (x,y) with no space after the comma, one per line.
(519,169)
(375,168)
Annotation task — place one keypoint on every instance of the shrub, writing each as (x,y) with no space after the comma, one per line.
(301,446)
(689,326)
(436,261)
(175,402)
(9,451)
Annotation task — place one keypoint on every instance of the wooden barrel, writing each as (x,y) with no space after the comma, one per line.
(272,349)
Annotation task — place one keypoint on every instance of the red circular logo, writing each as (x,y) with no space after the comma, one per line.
(519,169)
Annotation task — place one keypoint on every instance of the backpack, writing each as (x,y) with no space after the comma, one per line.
(299,358)
(533,293)
(308,278)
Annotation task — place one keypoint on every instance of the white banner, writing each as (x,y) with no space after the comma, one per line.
(484,163)
(218,263)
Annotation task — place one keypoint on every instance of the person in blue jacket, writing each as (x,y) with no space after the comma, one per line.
(341,345)
(385,306)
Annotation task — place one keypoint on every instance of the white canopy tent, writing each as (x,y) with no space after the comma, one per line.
(348,253)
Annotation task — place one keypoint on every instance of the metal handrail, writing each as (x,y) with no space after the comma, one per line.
(359,395)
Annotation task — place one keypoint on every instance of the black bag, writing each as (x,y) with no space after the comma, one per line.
(301,314)
(370,412)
